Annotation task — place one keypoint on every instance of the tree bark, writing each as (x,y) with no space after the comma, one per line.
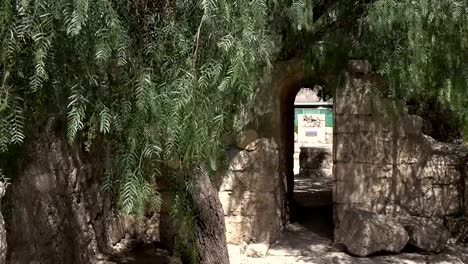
(210,227)
(3,241)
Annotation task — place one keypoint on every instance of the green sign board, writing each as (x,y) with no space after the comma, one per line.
(327,111)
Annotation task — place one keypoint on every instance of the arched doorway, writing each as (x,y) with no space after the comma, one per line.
(306,138)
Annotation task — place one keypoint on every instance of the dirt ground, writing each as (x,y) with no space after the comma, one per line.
(307,239)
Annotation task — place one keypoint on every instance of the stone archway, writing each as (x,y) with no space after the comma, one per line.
(382,162)
(258,186)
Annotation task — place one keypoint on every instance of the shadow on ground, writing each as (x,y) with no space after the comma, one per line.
(141,254)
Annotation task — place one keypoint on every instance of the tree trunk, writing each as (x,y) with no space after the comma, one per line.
(3,241)
(210,227)
(58,213)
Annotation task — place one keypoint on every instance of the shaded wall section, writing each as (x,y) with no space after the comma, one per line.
(384,163)
(259,182)
(250,194)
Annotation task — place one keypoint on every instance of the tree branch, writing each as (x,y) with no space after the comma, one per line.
(197,43)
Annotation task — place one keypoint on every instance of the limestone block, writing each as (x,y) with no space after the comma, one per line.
(349,192)
(426,234)
(347,147)
(231,204)
(240,161)
(238,229)
(315,157)
(424,199)
(362,148)
(379,189)
(265,181)
(410,125)
(429,190)
(374,150)
(258,204)
(346,123)
(353,105)
(445,259)
(444,160)
(339,210)
(375,126)
(364,233)
(434,175)
(251,216)
(360,172)
(229,182)
(412,150)
(369,191)
(248,140)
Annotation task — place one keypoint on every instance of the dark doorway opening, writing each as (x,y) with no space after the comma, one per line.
(311,206)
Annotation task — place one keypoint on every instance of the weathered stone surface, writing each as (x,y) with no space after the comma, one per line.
(248,139)
(364,233)
(3,239)
(346,123)
(237,229)
(258,227)
(445,259)
(375,126)
(138,230)
(249,194)
(385,164)
(410,125)
(370,191)
(316,162)
(363,149)
(316,157)
(426,234)
(360,172)
(353,104)
(427,190)
(257,250)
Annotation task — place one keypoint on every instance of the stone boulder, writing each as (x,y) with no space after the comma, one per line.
(426,234)
(364,233)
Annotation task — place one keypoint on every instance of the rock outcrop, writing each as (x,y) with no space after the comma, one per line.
(364,233)
(426,234)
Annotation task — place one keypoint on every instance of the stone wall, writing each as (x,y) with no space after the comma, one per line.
(382,162)
(254,189)
(316,162)
(250,194)
(385,164)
